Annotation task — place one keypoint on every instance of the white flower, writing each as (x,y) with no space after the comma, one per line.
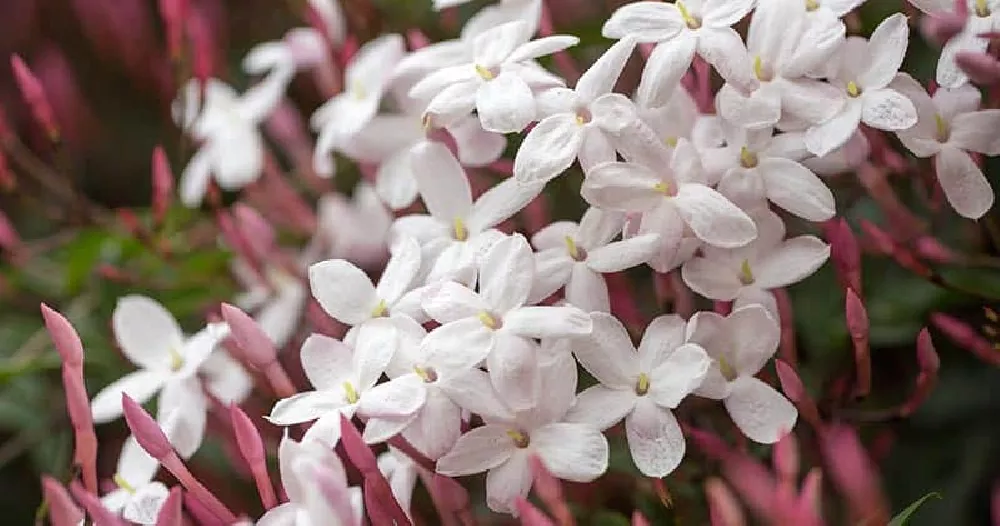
(641,387)
(499,82)
(785,44)
(769,262)
(504,446)
(277,305)
(457,232)
(580,122)
(758,167)
(676,120)
(984,17)
(680,30)
(314,481)
(950,125)
(356,230)
(278,61)
(365,81)
(138,498)
(740,345)
(341,375)
(495,323)
(231,149)
(576,256)
(864,70)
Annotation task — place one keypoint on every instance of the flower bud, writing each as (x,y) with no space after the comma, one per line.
(550,492)
(9,240)
(723,508)
(929,362)
(163,184)
(34,95)
(171,513)
(966,337)
(792,386)
(63,511)
(255,229)
(174,13)
(147,432)
(257,347)
(95,508)
(981,68)
(252,449)
(638,519)
(530,515)
(845,254)
(853,473)
(858,327)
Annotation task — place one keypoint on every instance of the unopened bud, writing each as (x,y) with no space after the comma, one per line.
(95,508)
(858,326)
(174,14)
(34,95)
(64,336)
(981,68)
(966,337)
(257,347)
(723,508)
(63,511)
(163,184)
(147,432)
(530,515)
(171,513)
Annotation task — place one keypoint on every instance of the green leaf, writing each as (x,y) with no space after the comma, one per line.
(900,520)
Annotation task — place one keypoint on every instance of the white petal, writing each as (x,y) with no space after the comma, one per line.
(492,47)
(449,301)
(603,74)
(437,426)
(373,64)
(306,406)
(810,100)
(195,178)
(140,386)
(622,255)
(396,398)
(760,108)
(601,407)
(506,274)
(326,361)
(146,332)
(834,133)
(654,439)
(755,335)
(478,450)
(395,183)
(886,47)
(713,218)
(586,290)
(967,189)
(443,184)
(474,392)
(377,340)
(949,74)
(400,271)
(505,104)
(144,505)
(135,465)
(720,14)
(452,104)
(796,189)
(598,227)
(645,21)
(607,353)
(624,187)
(513,366)
(548,149)
(574,452)
(508,481)
(975,132)
(761,413)
(662,337)
(678,375)
(466,341)
(553,269)
(476,147)
(664,69)
(792,261)
(887,109)
(724,50)
(712,279)
(545,322)
(542,47)
(343,290)
(326,430)
(597,147)
(182,411)
(501,202)
(382,429)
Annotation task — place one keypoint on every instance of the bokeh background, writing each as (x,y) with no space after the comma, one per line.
(104,65)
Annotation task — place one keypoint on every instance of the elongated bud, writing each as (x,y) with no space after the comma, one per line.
(885,244)
(203,48)
(171,513)
(64,336)
(858,326)
(929,362)
(530,515)
(357,451)
(63,511)
(966,337)
(145,429)
(7,180)
(9,240)
(378,494)
(174,13)
(942,27)
(163,184)
(931,249)
(786,459)
(550,492)
(448,496)
(638,519)
(852,472)
(845,254)
(811,496)
(34,95)
(255,229)
(981,68)
(97,511)
(791,385)
(723,508)
(257,347)
(252,449)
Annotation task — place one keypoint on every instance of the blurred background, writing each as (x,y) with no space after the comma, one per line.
(104,66)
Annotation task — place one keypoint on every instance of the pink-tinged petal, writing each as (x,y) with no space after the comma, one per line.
(887,109)
(476,146)
(377,341)
(326,361)
(723,48)
(623,187)
(663,335)
(678,375)
(450,301)
(974,132)
(713,218)
(795,188)
(587,291)
(505,104)
(603,74)
(501,202)
(625,254)
(666,65)
(607,353)
(399,397)
(343,290)
(478,450)
(654,439)
(758,109)
(305,407)
(146,332)
(723,507)
(601,407)
(547,322)
(548,149)
(574,452)
(553,269)
(513,367)
(443,184)
(834,133)
(462,341)
(140,385)
(886,48)
(762,414)
(966,188)
(711,278)
(506,274)
(474,392)
(509,481)
(645,21)
(790,262)
(756,335)
(437,426)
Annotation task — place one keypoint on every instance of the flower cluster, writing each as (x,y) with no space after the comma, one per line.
(474,349)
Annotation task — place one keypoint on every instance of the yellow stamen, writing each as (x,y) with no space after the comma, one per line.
(748,159)
(812,5)
(520,439)
(982,9)
(176,360)
(727,370)
(692,22)
(428,374)
(642,386)
(746,274)
(459,232)
(943,130)
(380,310)
(571,247)
(758,68)
(485,73)
(123,484)
(358,90)
(350,393)
(671,141)
(425,121)
(488,320)
(662,188)
(580,121)
(853,89)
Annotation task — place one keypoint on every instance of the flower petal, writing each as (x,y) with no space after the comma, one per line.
(713,218)
(607,353)
(443,184)
(462,341)
(654,439)
(663,336)
(506,274)
(401,270)
(326,361)
(501,202)
(624,254)
(886,49)
(666,65)
(508,482)
(182,411)
(140,386)
(645,21)
(755,335)
(586,290)
(343,290)
(437,426)
(795,188)
(762,414)
(394,182)
(548,149)
(887,109)
(505,104)
(975,132)
(478,450)
(574,452)
(724,50)
(553,269)
(602,407)
(547,322)
(399,397)
(304,407)
(834,133)
(513,367)
(603,74)
(377,340)
(474,392)
(678,375)
(623,187)
(449,301)
(792,261)
(146,332)
(967,189)
(542,47)
(711,278)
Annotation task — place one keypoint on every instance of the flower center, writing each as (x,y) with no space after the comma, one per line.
(485,73)
(748,159)
(427,374)
(381,310)
(176,360)
(671,141)
(746,274)
(350,393)
(763,73)
(583,116)
(358,90)
(943,129)
(982,9)
(576,252)
(727,370)
(853,90)
(812,5)
(519,438)
(490,321)
(458,230)
(692,22)
(642,385)
(123,484)
(663,188)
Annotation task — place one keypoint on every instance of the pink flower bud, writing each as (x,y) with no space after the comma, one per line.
(203,46)
(786,459)
(930,248)
(257,347)
(811,496)
(858,326)
(171,514)
(927,356)
(723,508)
(163,184)
(34,95)
(7,180)
(65,338)
(792,386)
(357,451)
(845,254)
(638,519)
(174,13)
(885,244)
(853,473)
(942,27)
(9,240)
(255,229)
(63,511)
(252,449)
(981,68)
(338,497)
(100,514)
(550,492)
(966,337)
(378,495)
(929,362)
(145,429)
(753,482)
(449,496)
(530,515)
